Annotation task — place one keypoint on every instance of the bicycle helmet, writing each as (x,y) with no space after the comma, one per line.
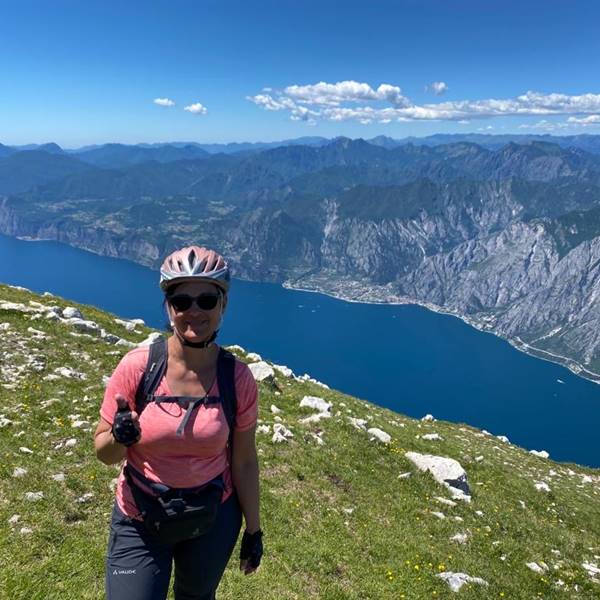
(195,263)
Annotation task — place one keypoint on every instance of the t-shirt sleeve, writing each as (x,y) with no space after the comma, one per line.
(124,381)
(247,398)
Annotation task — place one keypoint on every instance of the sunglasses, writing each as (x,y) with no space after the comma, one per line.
(183,302)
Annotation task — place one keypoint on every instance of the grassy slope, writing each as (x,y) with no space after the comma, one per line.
(389,546)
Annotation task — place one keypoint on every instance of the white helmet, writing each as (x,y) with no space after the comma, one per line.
(195,263)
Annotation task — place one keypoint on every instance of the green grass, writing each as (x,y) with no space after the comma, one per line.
(388,544)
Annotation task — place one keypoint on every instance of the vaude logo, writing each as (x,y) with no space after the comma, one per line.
(124,572)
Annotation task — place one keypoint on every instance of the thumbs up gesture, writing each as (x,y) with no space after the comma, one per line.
(126,425)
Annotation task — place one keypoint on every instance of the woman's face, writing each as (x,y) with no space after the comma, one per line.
(196,324)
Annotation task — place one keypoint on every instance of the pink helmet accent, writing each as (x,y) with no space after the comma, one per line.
(195,263)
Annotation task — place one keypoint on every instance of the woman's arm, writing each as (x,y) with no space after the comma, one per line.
(244,470)
(108,450)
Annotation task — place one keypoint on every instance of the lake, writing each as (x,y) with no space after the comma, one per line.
(405,358)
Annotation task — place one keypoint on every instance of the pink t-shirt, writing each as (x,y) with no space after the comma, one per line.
(196,457)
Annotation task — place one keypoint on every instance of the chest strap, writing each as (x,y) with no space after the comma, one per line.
(189,403)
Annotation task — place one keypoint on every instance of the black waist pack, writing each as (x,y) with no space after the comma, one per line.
(173,514)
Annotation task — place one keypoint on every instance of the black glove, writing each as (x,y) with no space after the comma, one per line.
(124,430)
(252,548)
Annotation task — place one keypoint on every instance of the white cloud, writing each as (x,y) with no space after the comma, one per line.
(196,109)
(590,120)
(267,102)
(164,102)
(544,125)
(334,94)
(437,87)
(355,101)
(570,123)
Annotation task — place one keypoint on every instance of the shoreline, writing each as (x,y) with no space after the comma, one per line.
(568,363)
(394,300)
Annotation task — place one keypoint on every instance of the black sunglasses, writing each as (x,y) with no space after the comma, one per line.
(182,302)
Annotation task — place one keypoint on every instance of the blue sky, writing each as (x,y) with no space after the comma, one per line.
(89,72)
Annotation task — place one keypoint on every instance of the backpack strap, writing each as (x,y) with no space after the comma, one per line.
(155,369)
(226,383)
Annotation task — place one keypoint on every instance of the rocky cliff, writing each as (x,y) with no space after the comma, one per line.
(508,239)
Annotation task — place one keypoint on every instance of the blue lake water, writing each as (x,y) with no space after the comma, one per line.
(402,357)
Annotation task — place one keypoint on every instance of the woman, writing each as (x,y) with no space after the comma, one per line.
(188,476)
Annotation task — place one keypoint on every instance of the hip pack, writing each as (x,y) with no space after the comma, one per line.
(178,514)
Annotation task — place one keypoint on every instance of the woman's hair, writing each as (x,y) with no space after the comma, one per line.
(168,327)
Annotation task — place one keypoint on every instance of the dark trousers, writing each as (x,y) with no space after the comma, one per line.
(138,566)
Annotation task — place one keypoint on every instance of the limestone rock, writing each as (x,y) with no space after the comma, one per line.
(150,339)
(83,325)
(72,313)
(285,371)
(457,580)
(358,423)
(536,568)
(126,343)
(316,403)
(446,471)
(379,435)
(261,370)
(540,453)
(34,496)
(281,433)
(307,377)
(315,418)
(70,373)
(4,422)
(129,325)
(109,338)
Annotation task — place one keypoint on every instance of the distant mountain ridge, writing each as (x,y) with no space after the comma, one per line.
(587,142)
(507,238)
(340,164)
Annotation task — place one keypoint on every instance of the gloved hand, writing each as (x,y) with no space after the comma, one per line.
(126,426)
(251,551)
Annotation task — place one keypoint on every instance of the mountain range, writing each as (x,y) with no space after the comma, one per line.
(503,232)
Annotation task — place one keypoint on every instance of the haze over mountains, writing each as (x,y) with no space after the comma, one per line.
(504,232)
(590,143)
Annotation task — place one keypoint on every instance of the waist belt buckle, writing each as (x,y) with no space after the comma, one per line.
(176,504)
